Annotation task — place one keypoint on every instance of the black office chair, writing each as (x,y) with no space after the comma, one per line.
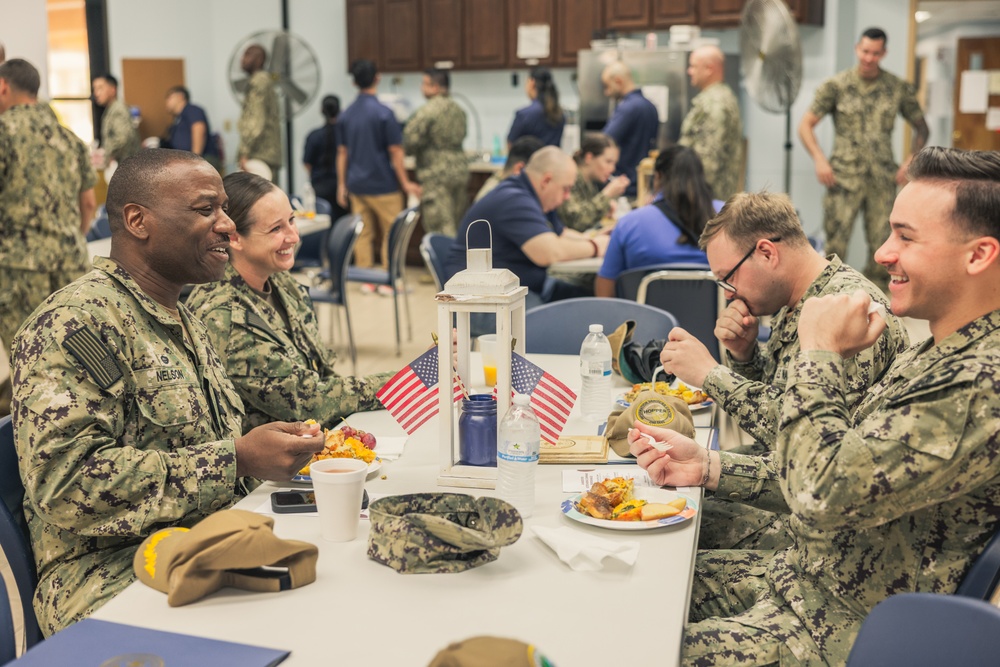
(560,327)
(14,531)
(340,247)
(395,277)
(928,630)
(693,295)
(982,578)
(434,249)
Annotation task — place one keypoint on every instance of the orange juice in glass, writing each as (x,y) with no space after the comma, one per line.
(488,350)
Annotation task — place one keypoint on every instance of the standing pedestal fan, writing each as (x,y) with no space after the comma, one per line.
(771,63)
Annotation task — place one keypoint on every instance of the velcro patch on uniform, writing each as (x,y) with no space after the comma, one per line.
(256,321)
(94,356)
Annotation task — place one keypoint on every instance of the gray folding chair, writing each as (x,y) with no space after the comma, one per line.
(560,327)
(434,249)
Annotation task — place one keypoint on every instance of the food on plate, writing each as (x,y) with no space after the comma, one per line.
(612,500)
(681,391)
(345,442)
(654,511)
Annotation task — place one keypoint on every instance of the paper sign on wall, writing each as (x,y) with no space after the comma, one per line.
(974,96)
(993,119)
(660,97)
(533,41)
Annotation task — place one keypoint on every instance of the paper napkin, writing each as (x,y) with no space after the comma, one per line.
(583,552)
(390,448)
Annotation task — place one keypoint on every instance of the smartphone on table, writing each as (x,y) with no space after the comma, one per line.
(293,502)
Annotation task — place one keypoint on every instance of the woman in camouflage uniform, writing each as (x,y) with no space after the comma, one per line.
(262,322)
(593,195)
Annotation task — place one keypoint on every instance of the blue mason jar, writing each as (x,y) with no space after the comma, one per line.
(477,431)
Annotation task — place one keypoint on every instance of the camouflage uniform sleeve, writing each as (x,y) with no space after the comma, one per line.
(88,177)
(825,100)
(925,446)
(909,107)
(584,208)
(416,131)
(275,382)
(78,468)
(117,130)
(751,480)
(755,405)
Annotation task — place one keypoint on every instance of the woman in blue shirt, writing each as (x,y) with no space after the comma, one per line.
(320,156)
(543,118)
(667,230)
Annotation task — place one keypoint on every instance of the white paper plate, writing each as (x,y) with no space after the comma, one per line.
(653,495)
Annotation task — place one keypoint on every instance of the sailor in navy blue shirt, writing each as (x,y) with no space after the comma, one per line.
(527,233)
(190,130)
(635,123)
(543,118)
(370,165)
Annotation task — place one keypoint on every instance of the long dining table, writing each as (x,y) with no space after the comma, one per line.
(359,612)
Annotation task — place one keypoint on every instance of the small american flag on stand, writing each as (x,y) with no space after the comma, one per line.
(551,400)
(411,396)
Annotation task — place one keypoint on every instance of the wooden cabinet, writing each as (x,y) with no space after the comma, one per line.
(531,12)
(674,12)
(726,13)
(364,34)
(576,23)
(400,37)
(442,32)
(627,14)
(485,36)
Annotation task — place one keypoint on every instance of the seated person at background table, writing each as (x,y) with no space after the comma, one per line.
(666,230)
(262,322)
(769,268)
(190,130)
(527,233)
(518,155)
(593,195)
(124,419)
(903,494)
(543,118)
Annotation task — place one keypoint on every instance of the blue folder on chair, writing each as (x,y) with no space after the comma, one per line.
(93,642)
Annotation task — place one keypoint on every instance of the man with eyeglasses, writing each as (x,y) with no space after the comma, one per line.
(757,245)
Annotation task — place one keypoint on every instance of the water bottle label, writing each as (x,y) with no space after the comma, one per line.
(517,458)
(595,368)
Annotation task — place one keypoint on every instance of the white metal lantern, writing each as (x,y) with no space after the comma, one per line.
(478,289)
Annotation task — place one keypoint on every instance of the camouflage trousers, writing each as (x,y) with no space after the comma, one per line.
(841,208)
(443,203)
(728,525)
(22,291)
(737,619)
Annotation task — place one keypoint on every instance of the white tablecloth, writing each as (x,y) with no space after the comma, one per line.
(359,612)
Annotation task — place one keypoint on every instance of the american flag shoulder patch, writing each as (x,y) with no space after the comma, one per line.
(94,356)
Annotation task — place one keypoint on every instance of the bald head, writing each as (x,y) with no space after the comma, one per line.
(706,66)
(552,174)
(617,80)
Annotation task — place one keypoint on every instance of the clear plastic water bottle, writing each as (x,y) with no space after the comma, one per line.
(595,374)
(308,197)
(517,455)
(622,207)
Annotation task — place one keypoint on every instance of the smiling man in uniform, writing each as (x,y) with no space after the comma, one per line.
(124,419)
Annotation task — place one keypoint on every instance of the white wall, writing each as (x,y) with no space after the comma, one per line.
(23,29)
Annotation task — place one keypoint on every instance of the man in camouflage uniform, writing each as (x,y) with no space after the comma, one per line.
(712,127)
(861,173)
(119,138)
(901,496)
(123,417)
(433,136)
(46,203)
(259,128)
(776,278)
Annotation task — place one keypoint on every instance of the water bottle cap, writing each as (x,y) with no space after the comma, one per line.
(596,328)
(522,399)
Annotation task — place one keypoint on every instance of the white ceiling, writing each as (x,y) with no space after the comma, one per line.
(951,12)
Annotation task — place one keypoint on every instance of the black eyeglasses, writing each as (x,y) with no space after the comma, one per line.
(724,281)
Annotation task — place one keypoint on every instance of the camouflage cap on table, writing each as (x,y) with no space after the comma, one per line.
(440,532)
